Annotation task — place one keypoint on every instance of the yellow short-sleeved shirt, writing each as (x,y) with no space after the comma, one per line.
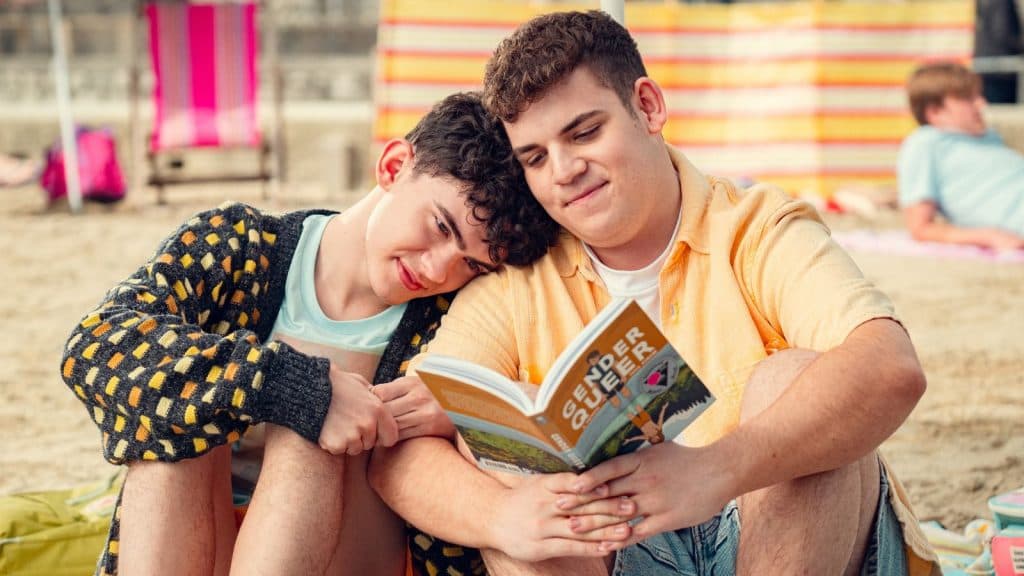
(750,273)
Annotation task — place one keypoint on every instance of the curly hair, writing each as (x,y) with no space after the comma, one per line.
(545,50)
(458,139)
(930,84)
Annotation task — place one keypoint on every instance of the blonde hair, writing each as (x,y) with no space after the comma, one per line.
(930,84)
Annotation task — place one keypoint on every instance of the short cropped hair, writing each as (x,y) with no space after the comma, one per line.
(545,50)
(930,84)
(458,139)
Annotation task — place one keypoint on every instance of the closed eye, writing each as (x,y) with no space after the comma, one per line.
(535,159)
(442,227)
(585,134)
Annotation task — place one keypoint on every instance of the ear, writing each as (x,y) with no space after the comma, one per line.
(933,112)
(650,104)
(396,155)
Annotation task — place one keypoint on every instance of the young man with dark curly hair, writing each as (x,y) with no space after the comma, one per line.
(243,318)
(810,369)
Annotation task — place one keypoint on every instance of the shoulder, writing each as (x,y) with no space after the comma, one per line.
(920,140)
(761,205)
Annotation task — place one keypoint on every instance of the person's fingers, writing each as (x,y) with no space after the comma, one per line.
(622,507)
(599,528)
(561,547)
(387,430)
(402,405)
(605,473)
(389,391)
(354,447)
(573,500)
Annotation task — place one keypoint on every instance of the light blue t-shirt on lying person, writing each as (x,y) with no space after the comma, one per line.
(353,345)
(975,181)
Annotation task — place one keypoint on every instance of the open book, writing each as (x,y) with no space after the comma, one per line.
(617,387)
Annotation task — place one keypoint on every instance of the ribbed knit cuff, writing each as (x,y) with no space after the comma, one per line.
(296,393)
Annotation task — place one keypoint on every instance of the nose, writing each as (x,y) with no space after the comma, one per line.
(566,166)
(438,263)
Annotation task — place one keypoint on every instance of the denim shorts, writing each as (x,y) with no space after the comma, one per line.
(710,549)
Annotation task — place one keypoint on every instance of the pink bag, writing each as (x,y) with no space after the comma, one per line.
(98,171)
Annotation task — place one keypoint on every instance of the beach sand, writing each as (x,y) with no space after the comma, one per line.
(962,444)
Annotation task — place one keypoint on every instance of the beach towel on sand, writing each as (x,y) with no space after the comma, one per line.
(900,242)
(56,533)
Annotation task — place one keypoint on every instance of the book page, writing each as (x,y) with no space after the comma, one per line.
(459,398)
(596,380)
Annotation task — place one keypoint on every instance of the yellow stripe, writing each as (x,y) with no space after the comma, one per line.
(112,385)
(433,68)
(832,129)
(140,350)
(508,13)
(179,290)
(710,16)
(214,374)
(239,398)
(90,350)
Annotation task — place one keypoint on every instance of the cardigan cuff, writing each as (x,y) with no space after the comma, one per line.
(296,393)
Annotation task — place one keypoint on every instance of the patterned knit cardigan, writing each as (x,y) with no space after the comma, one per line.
(175,360)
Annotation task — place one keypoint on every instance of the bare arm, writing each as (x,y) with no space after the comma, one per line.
(920,220)
(434,487)
(873,381)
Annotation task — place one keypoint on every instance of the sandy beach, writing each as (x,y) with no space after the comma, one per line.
(961,445)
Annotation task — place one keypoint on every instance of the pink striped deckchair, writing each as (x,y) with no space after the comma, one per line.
(204,59)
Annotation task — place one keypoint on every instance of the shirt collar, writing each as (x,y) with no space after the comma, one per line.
(570,256)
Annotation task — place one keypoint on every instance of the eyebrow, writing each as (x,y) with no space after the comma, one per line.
(579,119)
(459,240)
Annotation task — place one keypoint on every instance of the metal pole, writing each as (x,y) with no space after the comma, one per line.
(616,9)
(67,126)
(277,102)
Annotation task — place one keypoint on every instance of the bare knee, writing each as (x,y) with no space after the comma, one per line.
(177,503)
(772,377)
(290,457)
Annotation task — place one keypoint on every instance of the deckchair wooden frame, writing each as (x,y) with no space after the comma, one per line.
(271,167)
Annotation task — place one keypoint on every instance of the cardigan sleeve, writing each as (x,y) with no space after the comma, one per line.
(169,364)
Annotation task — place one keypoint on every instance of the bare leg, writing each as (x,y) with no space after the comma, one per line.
(817,524)
(499,564)
(372,536)
(176,518)
(294,518)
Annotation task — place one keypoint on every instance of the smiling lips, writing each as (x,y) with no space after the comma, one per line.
(408,279)
(586,194)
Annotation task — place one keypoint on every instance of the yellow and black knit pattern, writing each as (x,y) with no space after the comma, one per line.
(173,362)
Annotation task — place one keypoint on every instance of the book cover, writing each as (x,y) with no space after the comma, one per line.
(617,387)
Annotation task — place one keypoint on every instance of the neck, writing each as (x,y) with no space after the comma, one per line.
(342,280)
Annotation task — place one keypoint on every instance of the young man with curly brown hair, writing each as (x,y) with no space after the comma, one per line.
(244,318)
(810,369)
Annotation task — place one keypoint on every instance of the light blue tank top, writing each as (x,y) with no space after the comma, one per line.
(302,323)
